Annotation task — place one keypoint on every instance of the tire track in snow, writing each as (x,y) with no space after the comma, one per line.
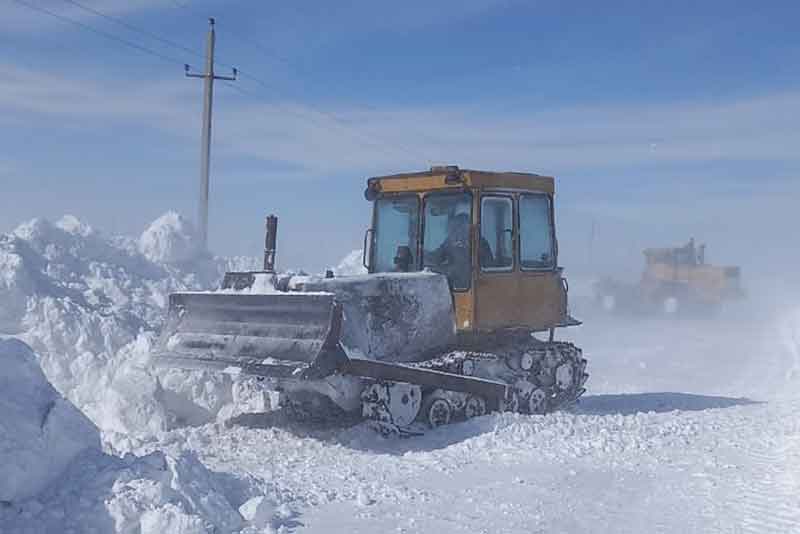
(768,496)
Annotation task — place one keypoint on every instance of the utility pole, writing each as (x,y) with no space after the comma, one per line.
(205,148)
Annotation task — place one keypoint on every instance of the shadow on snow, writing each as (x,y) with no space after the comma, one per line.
(632,403)
(358,436)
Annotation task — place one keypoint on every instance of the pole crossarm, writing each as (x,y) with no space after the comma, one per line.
(189,74)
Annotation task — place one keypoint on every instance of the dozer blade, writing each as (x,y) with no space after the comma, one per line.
(268,334)
(392,317)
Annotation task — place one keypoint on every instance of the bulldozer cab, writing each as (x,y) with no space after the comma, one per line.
(687,255)
(492,234)
(683,272)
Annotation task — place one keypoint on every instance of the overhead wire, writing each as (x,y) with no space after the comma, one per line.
(102,33)
(314,120)
(372,141)
(269,87)
(338,122)
(136,29)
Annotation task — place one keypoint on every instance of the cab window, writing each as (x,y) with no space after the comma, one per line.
(446,240)
(396,225)
(497,223)
(536,240)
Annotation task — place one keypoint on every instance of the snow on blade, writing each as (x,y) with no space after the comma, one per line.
(351,264)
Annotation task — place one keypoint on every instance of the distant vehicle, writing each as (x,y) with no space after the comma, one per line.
(675,281)
(463,271)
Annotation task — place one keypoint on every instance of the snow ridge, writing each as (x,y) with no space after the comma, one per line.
(89,304)
(40,432)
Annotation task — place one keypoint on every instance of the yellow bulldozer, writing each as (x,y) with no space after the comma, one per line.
(456,317)
(675,282)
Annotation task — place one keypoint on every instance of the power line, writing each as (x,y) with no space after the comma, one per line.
(246,74)
(145,32)
(372,140)
(264,49)
(315,120)
(343,125)
(102,33)
(243,38)
(136,29)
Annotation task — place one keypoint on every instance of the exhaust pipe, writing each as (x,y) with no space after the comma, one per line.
(239,281)
(270,237)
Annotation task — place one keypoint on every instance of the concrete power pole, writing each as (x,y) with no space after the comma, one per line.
(208,96)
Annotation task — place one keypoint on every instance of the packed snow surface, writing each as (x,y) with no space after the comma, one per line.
(688,426)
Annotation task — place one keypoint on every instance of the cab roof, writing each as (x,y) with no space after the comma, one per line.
(451,177)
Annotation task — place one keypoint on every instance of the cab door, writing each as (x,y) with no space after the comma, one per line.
(496,284)
(518,283)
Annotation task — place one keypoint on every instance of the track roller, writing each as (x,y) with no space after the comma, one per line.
(474,406)
(437,410)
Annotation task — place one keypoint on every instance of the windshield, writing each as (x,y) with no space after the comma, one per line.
(446,243)
(396,223)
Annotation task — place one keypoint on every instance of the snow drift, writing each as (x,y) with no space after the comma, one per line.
(151,494)
(89,304)
(54,475)
(40,432)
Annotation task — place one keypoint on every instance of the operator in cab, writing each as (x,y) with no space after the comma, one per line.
(453,256)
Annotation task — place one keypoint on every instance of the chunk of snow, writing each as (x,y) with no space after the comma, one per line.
(73,225)
(150,494)
(363,498)
(258,511)
(16,283)
(351,264)
(169,239)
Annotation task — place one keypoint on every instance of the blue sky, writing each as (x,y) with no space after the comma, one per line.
(659,119)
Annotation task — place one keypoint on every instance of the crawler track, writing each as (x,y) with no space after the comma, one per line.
(542,377)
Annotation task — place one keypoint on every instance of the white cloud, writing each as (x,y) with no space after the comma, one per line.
(350,139)
(29,96)
(552,141)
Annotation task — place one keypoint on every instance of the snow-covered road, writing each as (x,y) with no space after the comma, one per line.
(687,427)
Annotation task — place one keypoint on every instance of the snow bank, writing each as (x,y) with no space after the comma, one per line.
(55,478)
(40,432)
(89,304)
(151,494)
